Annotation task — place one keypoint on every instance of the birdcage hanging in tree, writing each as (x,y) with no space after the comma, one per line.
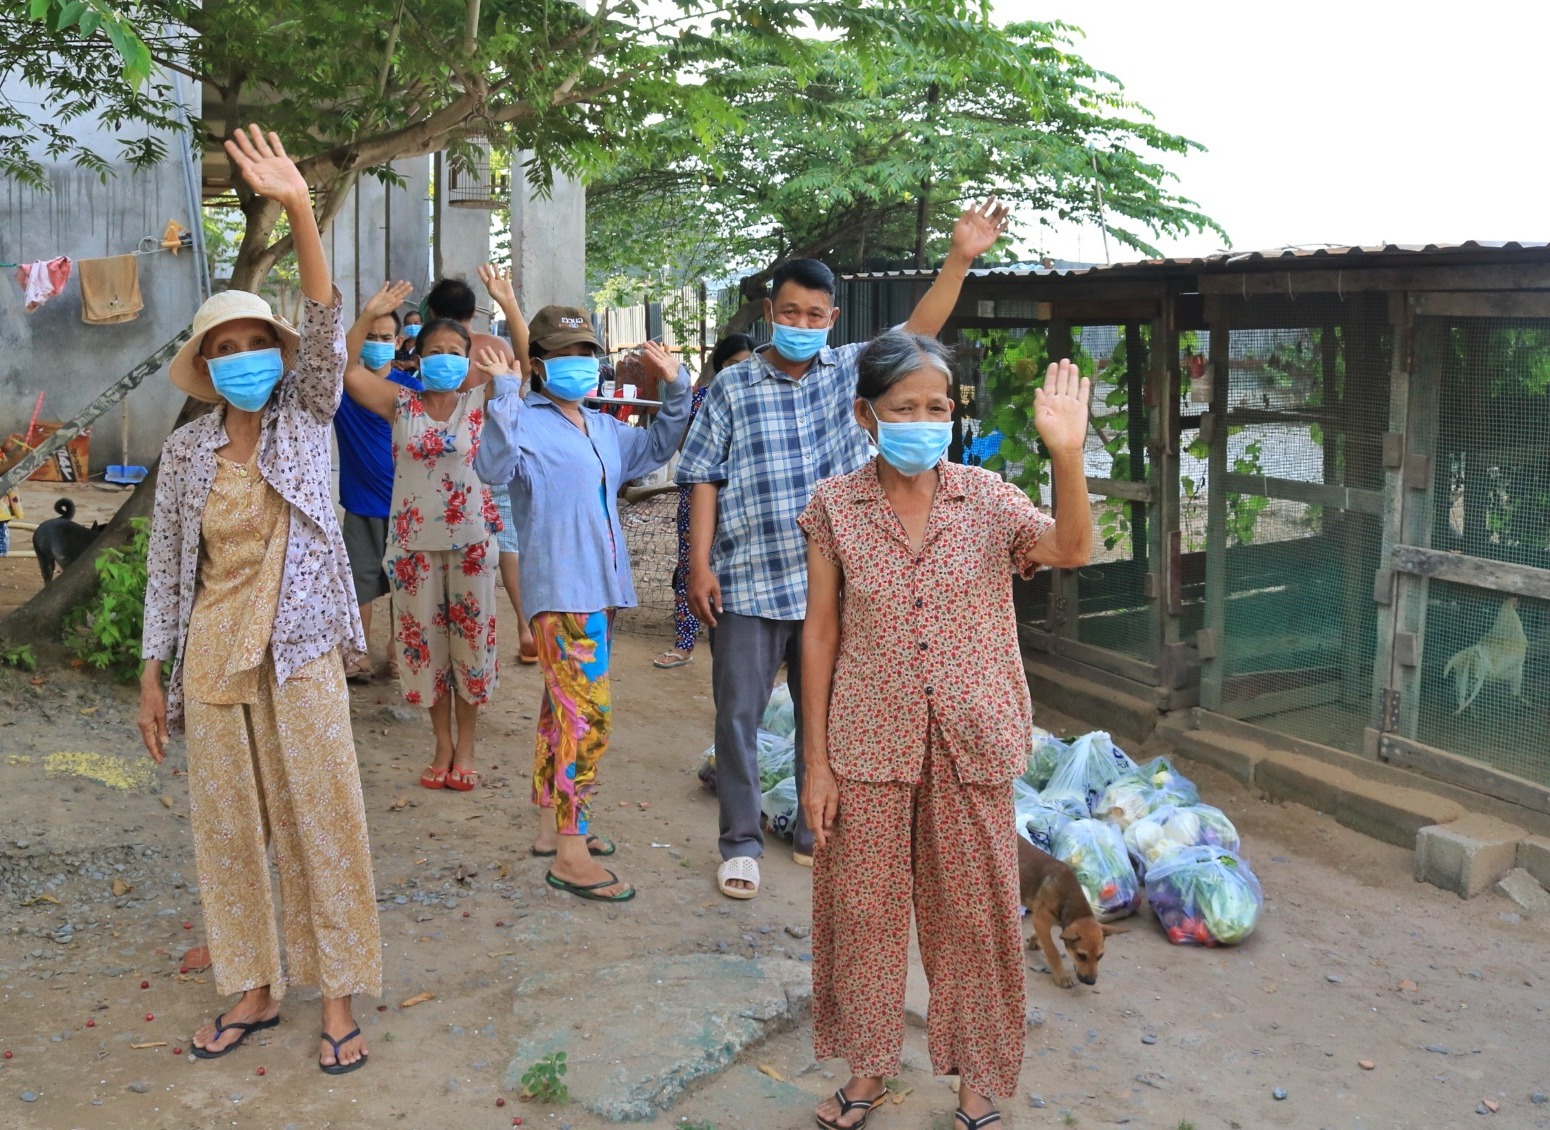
(473,180)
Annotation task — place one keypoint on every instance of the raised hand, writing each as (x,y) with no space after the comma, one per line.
(492,362)
(979,227)
(388,299)
(261,160)
(498,283)
(657,356)
(1060,408)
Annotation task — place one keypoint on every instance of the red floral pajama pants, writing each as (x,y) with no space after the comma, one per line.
(444,627)
(953,847)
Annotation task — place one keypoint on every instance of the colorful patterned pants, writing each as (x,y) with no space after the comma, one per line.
(953,846)
(686,626)
(444,609)
(282,772)
(574,717)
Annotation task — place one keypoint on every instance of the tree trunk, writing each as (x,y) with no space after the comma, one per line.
(41,619)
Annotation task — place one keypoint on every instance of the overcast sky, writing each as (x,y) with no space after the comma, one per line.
(1333,121)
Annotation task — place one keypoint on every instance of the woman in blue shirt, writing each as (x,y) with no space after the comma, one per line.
(565,465)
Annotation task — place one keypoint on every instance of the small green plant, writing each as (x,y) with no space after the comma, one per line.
(1186,1124)
(1068,1118)
(542,1080)
(20,657)
(687,1125)
(106,631)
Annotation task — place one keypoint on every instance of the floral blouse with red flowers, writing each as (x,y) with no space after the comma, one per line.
(438,501)
(928,637)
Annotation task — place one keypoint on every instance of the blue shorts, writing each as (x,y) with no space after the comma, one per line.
(506,540)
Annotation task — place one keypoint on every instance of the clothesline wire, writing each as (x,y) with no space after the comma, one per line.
(147,251)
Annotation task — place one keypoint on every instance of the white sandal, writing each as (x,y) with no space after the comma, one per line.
(742,867)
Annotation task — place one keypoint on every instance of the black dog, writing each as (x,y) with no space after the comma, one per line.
(61,540)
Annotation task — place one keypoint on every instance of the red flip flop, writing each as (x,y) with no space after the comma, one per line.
(433,778)
(463,780)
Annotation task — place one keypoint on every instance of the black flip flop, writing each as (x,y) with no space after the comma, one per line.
(848,1104)
(976,1123)
(337,1068)
(245,1029)
(590,891)
(596,853)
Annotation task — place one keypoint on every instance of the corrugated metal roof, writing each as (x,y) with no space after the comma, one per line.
(1226,261)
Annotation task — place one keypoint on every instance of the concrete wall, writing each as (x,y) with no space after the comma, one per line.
(548,242)
(382,232)
(51,350)
(460,245)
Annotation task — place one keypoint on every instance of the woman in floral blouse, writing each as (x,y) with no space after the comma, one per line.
(441,553)
(249,596)
(917,718)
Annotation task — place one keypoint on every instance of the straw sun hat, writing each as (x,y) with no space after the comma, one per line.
(228,306)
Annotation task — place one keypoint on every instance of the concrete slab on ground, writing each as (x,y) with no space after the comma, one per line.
(638,1032)
(1534,857)
(1523,889)
(1469,855)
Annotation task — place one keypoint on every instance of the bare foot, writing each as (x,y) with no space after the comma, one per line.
(861,1088)
(337,1022)
(254,1007)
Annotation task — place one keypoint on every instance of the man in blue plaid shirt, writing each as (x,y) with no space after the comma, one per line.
(770,430)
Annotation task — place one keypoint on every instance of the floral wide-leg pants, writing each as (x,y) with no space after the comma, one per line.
(574,717)
(444,627)
(953,846)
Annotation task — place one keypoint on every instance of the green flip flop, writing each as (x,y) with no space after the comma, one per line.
(597,852)
(589,891)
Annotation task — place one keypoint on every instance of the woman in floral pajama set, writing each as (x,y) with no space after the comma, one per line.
(441,553)
(917,718)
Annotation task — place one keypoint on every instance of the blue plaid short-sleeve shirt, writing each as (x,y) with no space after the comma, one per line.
(769,441)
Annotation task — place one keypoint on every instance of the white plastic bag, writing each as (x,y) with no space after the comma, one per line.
(1090,766)
(1096,852)
(779,806)
(1172,828)
(780,715)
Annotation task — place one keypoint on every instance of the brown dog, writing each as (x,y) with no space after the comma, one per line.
(1053,897)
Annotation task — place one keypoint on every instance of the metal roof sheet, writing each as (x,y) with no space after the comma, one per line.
(1309,255)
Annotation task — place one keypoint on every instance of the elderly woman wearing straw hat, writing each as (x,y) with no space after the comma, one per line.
(249,588)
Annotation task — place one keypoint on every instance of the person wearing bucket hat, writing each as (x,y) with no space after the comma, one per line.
(564,465)
(441,549)
(248,596)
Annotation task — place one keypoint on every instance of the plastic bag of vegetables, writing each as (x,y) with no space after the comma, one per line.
(1048,752)
(1096,852)
(777,758)
(779,806)
(1171,828)
(1039,818)
(780,715)
(1090,766)
(1204,896)
(1132,797)
(1160,774)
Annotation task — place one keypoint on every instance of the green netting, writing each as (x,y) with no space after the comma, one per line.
(1485,678)
(1113,611)
(1306,410)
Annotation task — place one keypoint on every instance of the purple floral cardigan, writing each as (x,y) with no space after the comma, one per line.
(317,610)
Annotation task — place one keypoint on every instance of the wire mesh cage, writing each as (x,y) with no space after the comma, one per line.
(473,179)
(1296,501)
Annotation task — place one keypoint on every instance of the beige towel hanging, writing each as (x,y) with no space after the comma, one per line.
(110,290)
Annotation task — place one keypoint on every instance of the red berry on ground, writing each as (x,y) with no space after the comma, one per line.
(150,1016)
(91,1024)
(465,914)
(177,1051)
(500,923)
(188,925)
(500,1102)
(382,1008)
(145,984)
(261,1071)
(7,1055)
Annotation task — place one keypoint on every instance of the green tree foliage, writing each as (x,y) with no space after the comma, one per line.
(870,155)
(352,87)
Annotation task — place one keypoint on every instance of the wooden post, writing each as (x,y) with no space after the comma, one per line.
(1137,411)
(1419,499)
(1361,408)
(1213,665)
(1162,399)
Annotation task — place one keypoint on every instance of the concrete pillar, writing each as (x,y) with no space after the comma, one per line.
(462,242)
(408,224)
(548,241)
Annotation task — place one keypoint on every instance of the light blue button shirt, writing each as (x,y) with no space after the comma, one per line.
(564,487)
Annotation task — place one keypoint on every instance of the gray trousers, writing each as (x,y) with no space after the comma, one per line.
(746,654)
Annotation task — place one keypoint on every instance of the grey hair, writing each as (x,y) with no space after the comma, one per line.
(893,355)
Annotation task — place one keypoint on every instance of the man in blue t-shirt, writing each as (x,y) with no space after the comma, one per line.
(366,472)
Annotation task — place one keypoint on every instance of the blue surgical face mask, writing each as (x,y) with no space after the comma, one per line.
(443,372)
(246,380)
(412,331)
(913,447)
(375,354)
(570,378)
(797,344)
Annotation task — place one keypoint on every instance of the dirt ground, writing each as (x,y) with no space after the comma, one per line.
(1353,963)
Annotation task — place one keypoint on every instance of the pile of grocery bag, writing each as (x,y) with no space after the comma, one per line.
(1121,826)
(777,764)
